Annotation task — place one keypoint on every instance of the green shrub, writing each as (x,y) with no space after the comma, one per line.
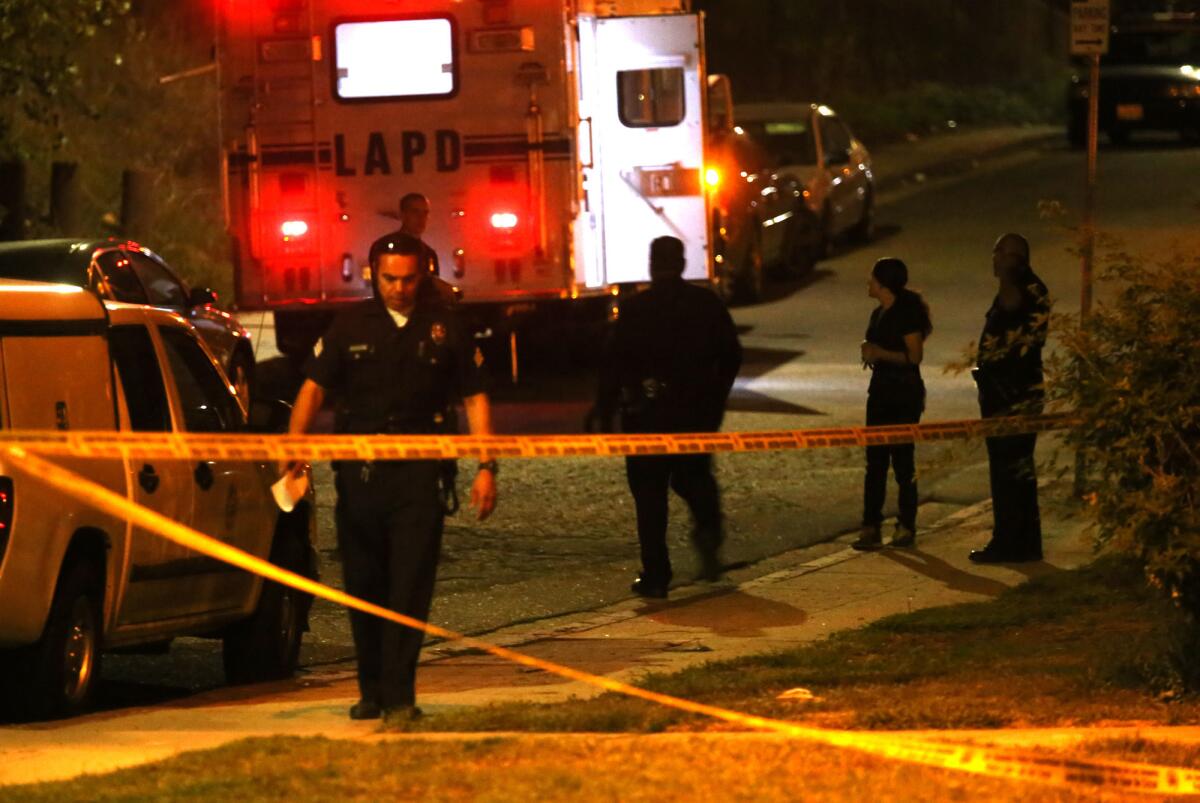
(1131,373)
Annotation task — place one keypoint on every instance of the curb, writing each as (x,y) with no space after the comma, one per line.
(628,609)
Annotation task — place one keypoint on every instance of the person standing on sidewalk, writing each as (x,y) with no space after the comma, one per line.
(669,366)
(893,350)
(1008,374)
(396,363)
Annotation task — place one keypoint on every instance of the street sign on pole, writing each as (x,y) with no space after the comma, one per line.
(1089,27)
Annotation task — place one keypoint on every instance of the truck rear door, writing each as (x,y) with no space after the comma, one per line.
(642,141)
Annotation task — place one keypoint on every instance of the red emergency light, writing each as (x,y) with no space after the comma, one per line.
(505,221)
(292,229)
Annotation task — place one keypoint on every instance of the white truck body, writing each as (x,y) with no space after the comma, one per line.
(554,141)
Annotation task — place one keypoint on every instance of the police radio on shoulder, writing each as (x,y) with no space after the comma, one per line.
(488,465)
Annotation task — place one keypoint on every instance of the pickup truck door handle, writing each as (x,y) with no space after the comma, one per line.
(148,479)
(203,475)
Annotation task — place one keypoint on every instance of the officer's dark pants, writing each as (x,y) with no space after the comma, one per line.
(691,477)
(1018,523)
(882,410)
(389,524)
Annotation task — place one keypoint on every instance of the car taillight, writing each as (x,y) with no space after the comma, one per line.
(291,229)
(6,512)
(712,178)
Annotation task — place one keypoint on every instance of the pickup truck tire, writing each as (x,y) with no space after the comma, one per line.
(56,676)
(266,646)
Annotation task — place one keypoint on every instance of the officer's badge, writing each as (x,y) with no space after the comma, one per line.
(478,357)
(438,334)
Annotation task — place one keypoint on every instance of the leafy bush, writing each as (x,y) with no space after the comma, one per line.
(928,107)
(1132,374)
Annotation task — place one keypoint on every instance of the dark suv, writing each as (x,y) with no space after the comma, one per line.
(1149,81)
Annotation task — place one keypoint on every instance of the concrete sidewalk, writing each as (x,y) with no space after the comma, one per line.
(903,165)
(824,589)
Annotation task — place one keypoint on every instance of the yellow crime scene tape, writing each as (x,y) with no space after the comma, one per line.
(198,446)
(1010,764)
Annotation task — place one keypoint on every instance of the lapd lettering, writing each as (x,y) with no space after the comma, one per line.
(377,158)
(449,150)
(339,156)
(414,151)
(413,144)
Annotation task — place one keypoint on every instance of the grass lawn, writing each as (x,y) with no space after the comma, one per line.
(1080,647)
(749,767)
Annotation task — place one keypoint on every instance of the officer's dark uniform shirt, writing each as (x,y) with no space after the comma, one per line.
(1009,361)
(887,329)
(671,360)
(392,379)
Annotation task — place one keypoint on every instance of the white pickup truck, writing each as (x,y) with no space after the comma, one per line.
(74,581)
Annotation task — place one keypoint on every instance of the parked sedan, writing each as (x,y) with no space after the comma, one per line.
(795,181)
(812,144)
(125,271)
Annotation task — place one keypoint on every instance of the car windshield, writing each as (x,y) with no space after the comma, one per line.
(1174,48)
(790,142)
(42,265)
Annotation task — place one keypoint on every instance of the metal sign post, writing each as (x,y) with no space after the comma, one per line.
(1089,37)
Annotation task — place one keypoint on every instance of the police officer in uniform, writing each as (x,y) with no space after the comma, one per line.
(1009,377)
(414,219)
(669,366)
(394,365)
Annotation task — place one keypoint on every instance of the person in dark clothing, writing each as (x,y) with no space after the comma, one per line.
(395,364)
(669,365)
(893,350)
(414,219)
(1008,374)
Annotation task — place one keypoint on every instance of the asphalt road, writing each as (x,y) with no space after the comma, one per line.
(563,539)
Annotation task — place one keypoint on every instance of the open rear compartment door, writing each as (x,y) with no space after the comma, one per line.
(642,144)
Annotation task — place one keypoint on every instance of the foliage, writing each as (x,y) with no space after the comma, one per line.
(1131,373)
(40,41)
(133,121)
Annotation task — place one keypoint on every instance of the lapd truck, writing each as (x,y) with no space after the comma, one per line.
(554,141)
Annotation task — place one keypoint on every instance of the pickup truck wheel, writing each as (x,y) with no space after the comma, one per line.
(60,671)
(266,646)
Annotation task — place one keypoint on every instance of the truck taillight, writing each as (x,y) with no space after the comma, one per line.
(505,221)
(7,504)
(712,178)
(293,228)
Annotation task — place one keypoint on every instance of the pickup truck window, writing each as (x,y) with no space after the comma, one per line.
(208,403)
(141,379)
